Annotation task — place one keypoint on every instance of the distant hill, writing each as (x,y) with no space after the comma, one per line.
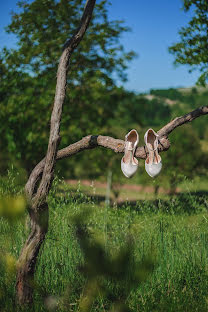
(172,96)
(199,89)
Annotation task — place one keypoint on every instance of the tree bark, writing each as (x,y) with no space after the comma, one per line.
(38,194)
(28,257)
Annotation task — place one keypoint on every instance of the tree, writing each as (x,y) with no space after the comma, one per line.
(183,160)
(41,178)
(41,28)
(37,199)
(192,49)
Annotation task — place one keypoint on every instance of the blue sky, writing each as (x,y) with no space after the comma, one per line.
(155,25)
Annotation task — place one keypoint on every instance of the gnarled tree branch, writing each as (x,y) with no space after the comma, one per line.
(39,207)
(54,138)
(92,141)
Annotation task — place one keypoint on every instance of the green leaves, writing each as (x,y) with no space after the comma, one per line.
(43,27)
(12,207)
(28,76)
(193,47)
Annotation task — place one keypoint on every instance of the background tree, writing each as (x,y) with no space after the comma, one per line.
(178,165)
(41,28)
(183,161)
(193,47)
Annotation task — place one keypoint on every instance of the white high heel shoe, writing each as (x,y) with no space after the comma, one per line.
(129,164)
(153,162)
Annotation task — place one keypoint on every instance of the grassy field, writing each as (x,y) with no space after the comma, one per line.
(170,234)
(133,192)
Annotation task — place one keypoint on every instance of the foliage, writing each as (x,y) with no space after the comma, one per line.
(94,105)
(187,99)
(184,160)
(193,100)
(193,46)
(171,93)
(28,75)
(12,211)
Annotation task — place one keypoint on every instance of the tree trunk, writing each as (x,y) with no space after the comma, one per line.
(37,195)
(27,260)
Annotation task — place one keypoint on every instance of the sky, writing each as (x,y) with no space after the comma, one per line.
(154,24)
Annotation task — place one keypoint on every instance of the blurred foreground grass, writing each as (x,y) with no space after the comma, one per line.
(174,232)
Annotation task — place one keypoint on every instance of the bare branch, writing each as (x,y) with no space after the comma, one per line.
(54,138)
(92,141)
(179,121)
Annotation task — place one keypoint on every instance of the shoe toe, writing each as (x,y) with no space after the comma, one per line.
(154,169)
(128,169)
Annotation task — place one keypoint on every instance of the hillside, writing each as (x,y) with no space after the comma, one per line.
(173,95)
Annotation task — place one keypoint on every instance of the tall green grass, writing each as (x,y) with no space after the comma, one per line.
(173,232)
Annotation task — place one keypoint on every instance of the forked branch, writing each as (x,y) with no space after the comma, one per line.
(54,138)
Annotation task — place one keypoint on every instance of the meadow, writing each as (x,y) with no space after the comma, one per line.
(167,239)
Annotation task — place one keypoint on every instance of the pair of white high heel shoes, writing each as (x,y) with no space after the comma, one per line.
(153,162)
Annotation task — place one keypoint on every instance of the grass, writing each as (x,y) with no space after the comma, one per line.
(173,232)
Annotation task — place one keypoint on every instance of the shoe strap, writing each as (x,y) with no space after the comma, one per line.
(152,150)
(129,146)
